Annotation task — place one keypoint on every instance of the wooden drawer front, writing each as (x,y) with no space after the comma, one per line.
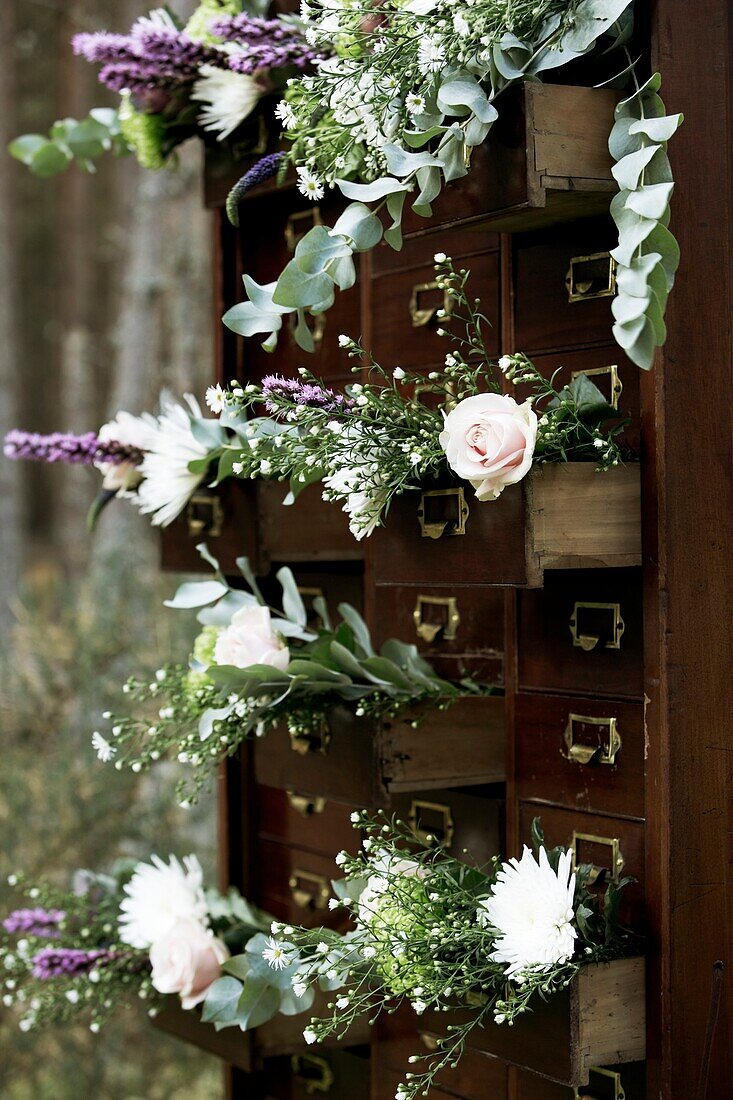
(404,307)
(459,630)
(603,841)
(343,769)
(614,1083)
(335,584)
(311,529)
(311,1072)
(474,1078)
(472,822)
(581,753)
(544,317)
(295,885)
(226,520)
(463,746)
(549,659)
(458,241)
(307,821)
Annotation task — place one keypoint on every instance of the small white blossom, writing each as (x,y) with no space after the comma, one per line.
(285,113)
(277,955)
(309,184)
(597,442)
(398,374)
(344,341)
(310,1036)
(415,104)
(216,399)
(440,257)
(105,752)
(505,363)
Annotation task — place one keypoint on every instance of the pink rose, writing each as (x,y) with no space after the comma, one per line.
(489,440)
(250,640)
(187,960)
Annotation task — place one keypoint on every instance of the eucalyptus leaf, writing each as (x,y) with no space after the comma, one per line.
(293,605)
(197,593)
(258,1003)
(298,289)
(361,631)
(220,1005)
(371,192)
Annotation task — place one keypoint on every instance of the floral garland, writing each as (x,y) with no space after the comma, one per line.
(438,934)
(253,669)
(174,81)
(365,445)
(407,93)
(144,931)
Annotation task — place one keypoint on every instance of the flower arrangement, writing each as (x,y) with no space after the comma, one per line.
(254,668)
(175,81)
(406,92)
(145,931)
(439,934)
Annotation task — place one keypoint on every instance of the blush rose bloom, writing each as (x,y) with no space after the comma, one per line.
(489,440)
(250,640)
(187,960)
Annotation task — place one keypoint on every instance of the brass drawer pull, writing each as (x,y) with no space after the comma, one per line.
(314,1072)
(305,806)
(311,742)
(432,822)
(428,631)
(599,874)
(617,386)
(422,314)
(603,1084)
(204,516)
(588,641)
(308,890)
(442,512)
(298,224)
(592,276)
(430,1042)
(607,740)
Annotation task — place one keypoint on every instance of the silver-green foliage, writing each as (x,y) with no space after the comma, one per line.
(71,140)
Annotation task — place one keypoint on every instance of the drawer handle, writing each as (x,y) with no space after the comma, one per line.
(588,642)
(442,512)
(428,632)
(311,742)
(608,740)
(308,890)
(432,822)
(599,874)
(591,277)
(314,1072)
(430,1042)
(305,806)
(298,224)
(204,516)
(421,314)
(604,1085)
(617,386)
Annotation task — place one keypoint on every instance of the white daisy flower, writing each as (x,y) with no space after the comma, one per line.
(216,398)
(158,895)
(285,113)
(415,104)
(278,955)
(228,98)
(105,752)
(168,483)
(309,184)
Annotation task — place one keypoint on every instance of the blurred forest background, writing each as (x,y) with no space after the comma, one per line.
(105,300)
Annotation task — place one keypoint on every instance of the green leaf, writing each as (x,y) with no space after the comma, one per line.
(650,201)
(293,605)
(384,671)
(360,629)
(221,1002)
(346,660)
(657,129)
(371,192)
(246,319)
(24,148)
(627,172)
(297,289)
(49,160)
(359,224)
(317,249)
(258,1002)
(462,94)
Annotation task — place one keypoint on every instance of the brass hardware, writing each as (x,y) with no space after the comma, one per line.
(314,1072)
(298,224)
(204,516)
(308,890)
(423,315)
(428,632)
(599,873)
(604,751)
(310,594)
(591,277)
(305,806)
(604,1084)
(318,330)
(442,512)
(590,641)
(310,742)
(428,1041)
(443,828)
(617,386)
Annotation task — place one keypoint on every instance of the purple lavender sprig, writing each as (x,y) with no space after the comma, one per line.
(301,393)
(66,962)
(155,57)
(83,450)
(265,43)
(34,922)
(263,170)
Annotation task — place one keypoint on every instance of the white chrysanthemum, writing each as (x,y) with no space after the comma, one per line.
(531,909)
(158,19)
(228,98)
(167,482)
(158,895)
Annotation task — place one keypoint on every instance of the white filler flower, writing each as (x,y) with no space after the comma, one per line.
(167,482)
(228,98)
(531,908)
(158,896)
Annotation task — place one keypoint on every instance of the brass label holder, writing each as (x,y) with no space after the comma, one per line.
(604,1084)
(599,873)
(442,512)
(603,752)
(298,224)
(588,642)
(422,315)
(309,890)
(305,806)
(448,629)
(617,386)
(592,276)
(312,742)
(314,1072)
(442,834)
(204,516)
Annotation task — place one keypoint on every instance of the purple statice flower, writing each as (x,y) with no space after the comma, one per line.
(148,58)
(34,922)
(302,393)
(263,44)
(263,170)
(66,447)
(66,962)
